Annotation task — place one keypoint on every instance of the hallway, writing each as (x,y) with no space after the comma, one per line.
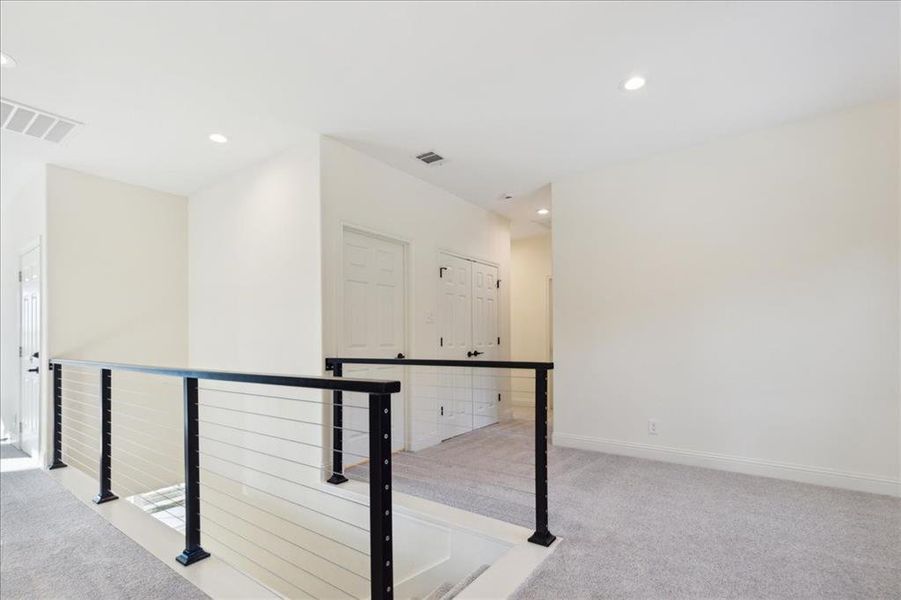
(52,546)
(633,528)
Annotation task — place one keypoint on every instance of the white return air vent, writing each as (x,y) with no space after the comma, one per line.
(430,158)
(34,122)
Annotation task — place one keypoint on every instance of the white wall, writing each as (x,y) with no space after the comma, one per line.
(256,305)
(117,256)
(255,296)
(362,192)
(530,272)
(117,291)
(744,293)
(22,223)
(255,263)
(530,327)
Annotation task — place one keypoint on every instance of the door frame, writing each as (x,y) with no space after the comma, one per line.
(407,245)
(549,323)
(35,244)
(468,257)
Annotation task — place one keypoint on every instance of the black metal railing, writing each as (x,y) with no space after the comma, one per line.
(542,535)
(380,488)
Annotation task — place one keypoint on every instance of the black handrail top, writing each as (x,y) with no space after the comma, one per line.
(366,386)
(437,362)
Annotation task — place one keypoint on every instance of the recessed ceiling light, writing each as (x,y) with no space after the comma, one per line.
(634,83)
(7,61)
(543,211)
(218,138)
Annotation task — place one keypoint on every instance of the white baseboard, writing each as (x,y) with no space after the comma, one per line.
(751,466)
(424,442)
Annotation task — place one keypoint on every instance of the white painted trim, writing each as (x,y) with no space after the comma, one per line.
(463,256)
(509,572)
(861,482)
(425,442)
(549,317)
(35,243)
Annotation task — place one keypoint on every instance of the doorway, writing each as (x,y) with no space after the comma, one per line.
(28,418)
(468,329)
(373,324)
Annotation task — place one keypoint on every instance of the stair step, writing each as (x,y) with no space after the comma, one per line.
(439,592)
(462,585)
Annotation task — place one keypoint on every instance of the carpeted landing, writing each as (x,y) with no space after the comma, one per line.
(636,528)
(53,546)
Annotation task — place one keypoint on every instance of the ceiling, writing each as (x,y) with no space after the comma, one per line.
(514,94)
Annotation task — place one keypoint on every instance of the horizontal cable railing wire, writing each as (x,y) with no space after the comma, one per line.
(239,461)
(453,398)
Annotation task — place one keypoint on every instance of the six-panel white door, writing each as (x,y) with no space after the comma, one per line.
(373,326)
(454,384)
(486,383)
(30,342)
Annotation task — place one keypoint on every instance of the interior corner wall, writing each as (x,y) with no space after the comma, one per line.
(22,223)
(361,192)
(745,295)
(255,298)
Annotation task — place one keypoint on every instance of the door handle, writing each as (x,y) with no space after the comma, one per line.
(34,370)
(401,355)
(36,355)
(477,353)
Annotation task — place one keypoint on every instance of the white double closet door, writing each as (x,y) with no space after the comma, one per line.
(373,325)
(468,322)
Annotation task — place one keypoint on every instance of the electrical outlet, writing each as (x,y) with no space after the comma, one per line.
(652,427)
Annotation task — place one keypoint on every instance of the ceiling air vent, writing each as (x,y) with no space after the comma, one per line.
(429,158)
(34,122)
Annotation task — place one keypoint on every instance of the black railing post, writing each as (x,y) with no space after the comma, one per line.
(57,417)
(106,438)
(541,536)
(193,552)
(380,517)
(337,430)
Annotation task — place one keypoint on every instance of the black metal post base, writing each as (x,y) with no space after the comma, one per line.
(189,557)
(337,479)
(101,498)
(543,539)
(57,464)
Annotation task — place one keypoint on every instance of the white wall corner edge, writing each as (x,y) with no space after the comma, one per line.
(723,462)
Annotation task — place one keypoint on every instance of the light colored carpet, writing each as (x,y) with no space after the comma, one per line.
(635,528)
(52,546)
